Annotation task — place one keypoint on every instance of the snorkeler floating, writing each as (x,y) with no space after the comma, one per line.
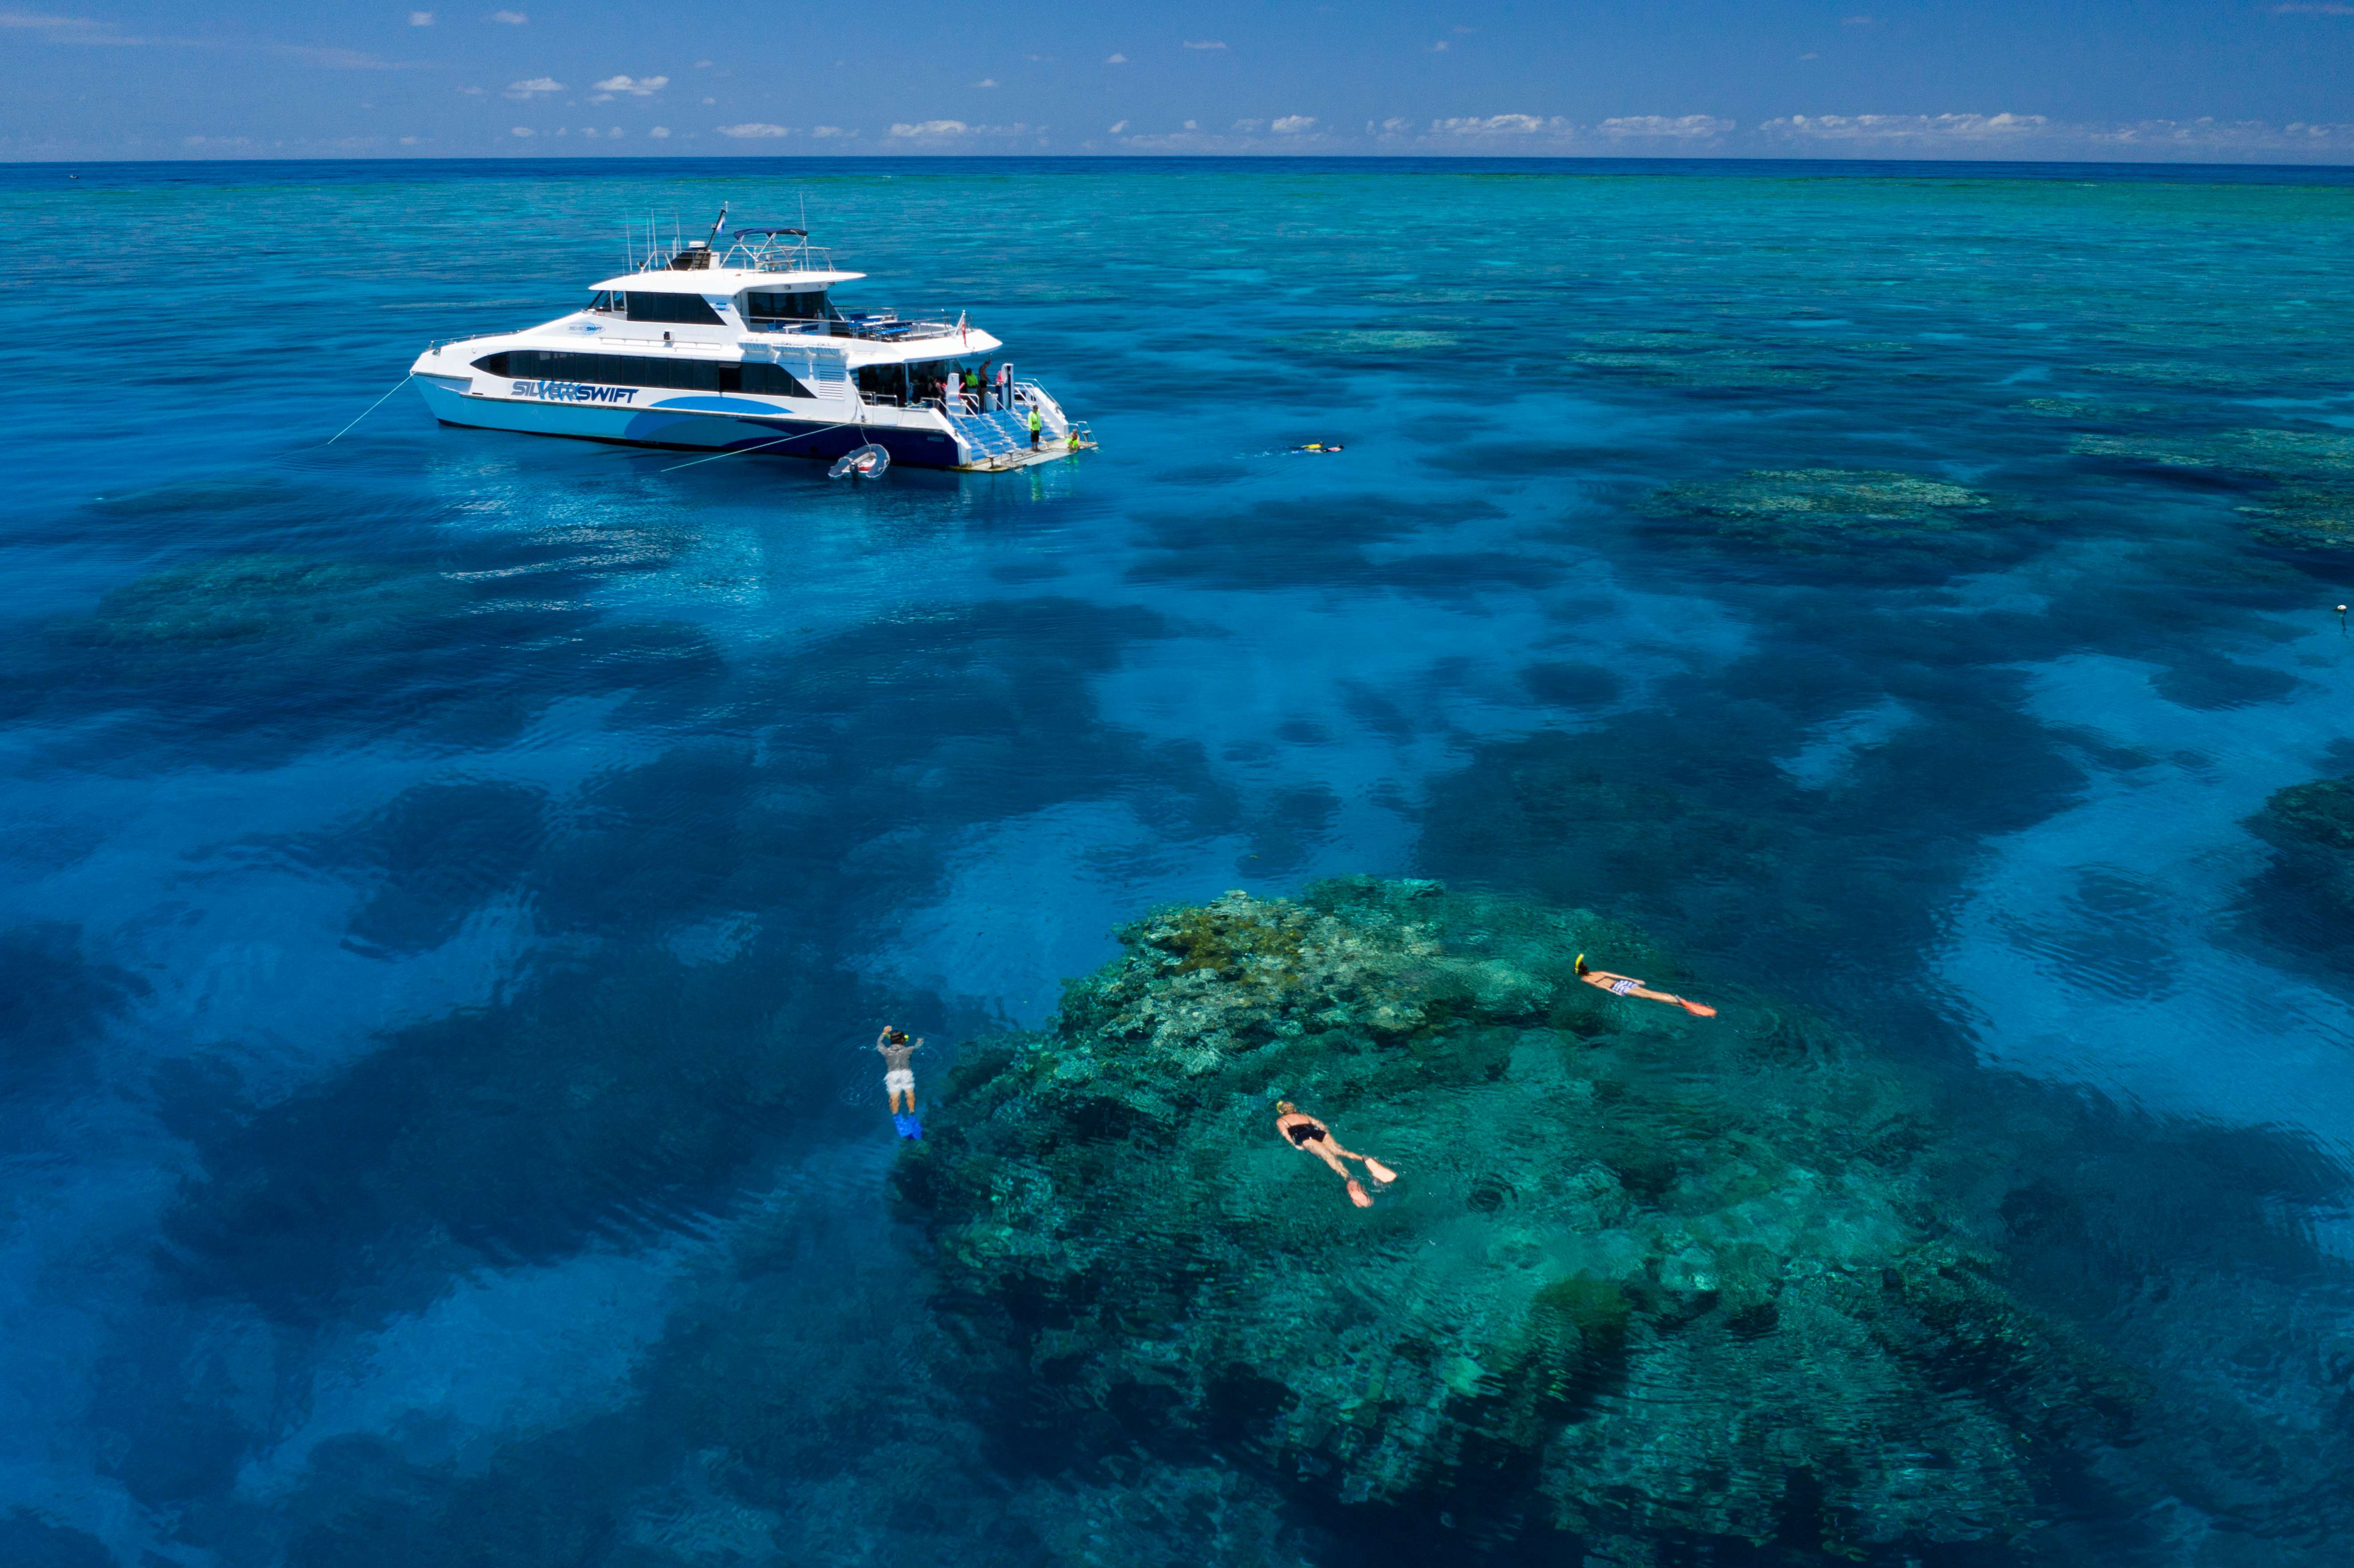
(1306,1132)
(1621,985)
(1319,448)
(899,1078)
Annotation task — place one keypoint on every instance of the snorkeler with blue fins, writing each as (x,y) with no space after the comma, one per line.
(899,1079)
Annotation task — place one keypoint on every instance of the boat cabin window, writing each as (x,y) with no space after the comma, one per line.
(643,370)
(686,310)
(604,300)
(809,306)
(911,382)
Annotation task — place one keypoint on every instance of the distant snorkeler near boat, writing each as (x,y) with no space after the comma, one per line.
(1309,1134)
(1623,985)
(1319,448)
(899,1079)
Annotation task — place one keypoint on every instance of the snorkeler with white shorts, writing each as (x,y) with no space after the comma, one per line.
(899,1078)
(1621,985)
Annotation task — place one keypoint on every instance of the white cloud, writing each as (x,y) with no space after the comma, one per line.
(420,18)
(338,59)
(1115,60)
(710,100)
(411,140)
(660,133)
(67,30)
(523,90)
(1293,124)
(522,131)
(986,82)
(1493,125)
(635,88)
(512,18)
(1242,124)
(752,129)
(1203,43)
(1191,126)
(215,141)
(1439,47)
(1117,128)
(2217,135)
(939,128)
(1682,128)
(828,131)
(703,64)
(1907,127)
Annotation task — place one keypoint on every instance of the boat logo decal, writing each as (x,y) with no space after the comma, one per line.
(574,392)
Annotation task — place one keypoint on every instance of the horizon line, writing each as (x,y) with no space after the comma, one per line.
(1108,156)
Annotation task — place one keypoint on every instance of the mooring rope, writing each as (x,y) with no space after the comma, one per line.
(757,446)
(371,408)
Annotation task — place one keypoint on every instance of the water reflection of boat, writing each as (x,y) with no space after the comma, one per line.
(745,349)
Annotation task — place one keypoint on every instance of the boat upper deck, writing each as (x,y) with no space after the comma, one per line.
(699,301)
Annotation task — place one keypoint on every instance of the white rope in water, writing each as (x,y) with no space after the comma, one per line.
(371,408)
(756,446)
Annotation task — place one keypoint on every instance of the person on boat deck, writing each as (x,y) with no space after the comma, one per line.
(1313,1136)
(1620,985)
(972,389)
(988,388)
(1037,424)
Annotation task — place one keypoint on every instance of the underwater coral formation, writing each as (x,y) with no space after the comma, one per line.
(2306,896)
(1665,1279)
(1695,360)
(1882,521)
(2312,505)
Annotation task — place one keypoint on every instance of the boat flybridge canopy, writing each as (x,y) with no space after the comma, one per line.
(723,280)
(770,255)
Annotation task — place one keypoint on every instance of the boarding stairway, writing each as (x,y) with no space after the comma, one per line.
(1001,437)
(995,437)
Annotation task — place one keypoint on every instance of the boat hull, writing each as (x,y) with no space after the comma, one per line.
(688,428)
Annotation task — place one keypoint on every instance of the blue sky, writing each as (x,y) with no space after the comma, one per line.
(2270,82)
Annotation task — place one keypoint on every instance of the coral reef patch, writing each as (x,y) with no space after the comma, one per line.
(1695,360)
(1877,521)
(1642,1279)
(2306,896)
(2312,505)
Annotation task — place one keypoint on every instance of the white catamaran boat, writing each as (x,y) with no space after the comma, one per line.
(743,349)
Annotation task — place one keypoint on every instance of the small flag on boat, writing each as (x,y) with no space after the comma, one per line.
(962,335)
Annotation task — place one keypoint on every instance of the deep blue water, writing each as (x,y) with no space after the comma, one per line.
(452,878)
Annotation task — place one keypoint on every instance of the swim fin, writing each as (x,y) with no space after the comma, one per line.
(908,1124)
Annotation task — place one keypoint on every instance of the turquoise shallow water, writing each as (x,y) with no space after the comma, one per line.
(451,877)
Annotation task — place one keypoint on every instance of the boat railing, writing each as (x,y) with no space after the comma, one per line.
(778,255)
(881,324)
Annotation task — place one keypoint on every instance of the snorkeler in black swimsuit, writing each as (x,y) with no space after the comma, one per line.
(1306,1132)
